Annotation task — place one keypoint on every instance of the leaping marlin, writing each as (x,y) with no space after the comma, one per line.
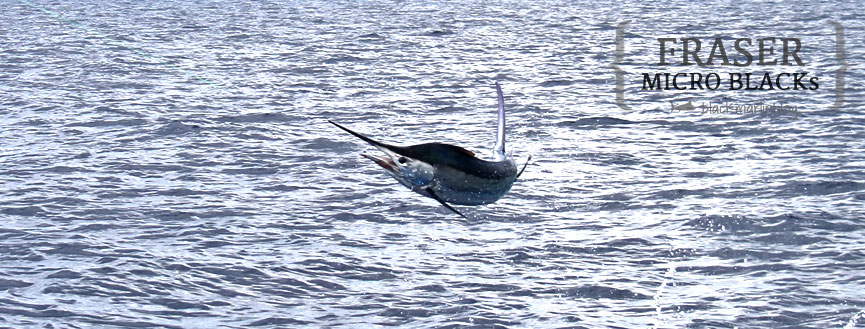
(449,173)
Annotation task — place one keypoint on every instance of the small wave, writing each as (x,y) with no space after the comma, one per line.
(343,59)
(64,274)
(787,223)
(109,123)
(822,187)
(257,118)
(176,304)
(557,83)
(597,291)
(176,128)
(437,33)
(23,211)
(39,314)
(6,284)
(277,321)
(409,313)
(432,288)
(371,36)
(251,171)
(594,122)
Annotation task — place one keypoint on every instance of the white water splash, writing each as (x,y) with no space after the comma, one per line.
(852,323)
(660,322)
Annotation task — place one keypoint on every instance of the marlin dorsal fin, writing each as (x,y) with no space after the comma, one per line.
(463,150)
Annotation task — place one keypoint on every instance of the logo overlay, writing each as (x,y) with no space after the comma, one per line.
(772,64)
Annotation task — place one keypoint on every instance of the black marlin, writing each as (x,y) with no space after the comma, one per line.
(449,173)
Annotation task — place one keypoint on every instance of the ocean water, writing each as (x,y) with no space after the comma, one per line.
(169,165)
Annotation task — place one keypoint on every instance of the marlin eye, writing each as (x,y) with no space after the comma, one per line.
(401,160)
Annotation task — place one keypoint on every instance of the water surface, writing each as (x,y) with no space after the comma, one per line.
(170,165)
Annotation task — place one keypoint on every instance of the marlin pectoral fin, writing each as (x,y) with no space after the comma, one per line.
(436,197)
(524,167)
